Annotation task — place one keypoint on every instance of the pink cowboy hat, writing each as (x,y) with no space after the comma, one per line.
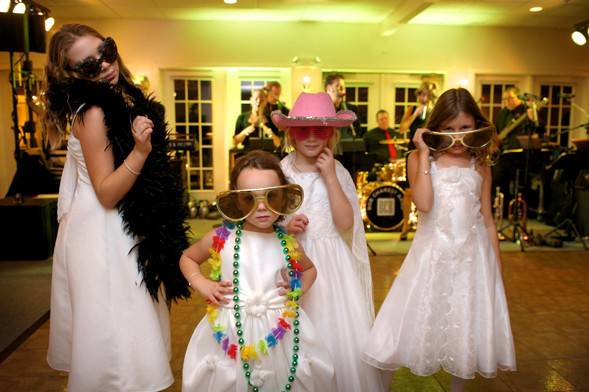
(311,110)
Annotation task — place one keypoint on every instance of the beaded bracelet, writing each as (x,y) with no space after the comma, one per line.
(129,168)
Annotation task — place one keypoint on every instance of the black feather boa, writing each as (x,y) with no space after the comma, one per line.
(154,210)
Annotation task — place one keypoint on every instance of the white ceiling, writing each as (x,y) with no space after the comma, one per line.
(387,13)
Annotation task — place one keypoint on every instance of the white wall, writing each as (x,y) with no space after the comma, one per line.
(150,46)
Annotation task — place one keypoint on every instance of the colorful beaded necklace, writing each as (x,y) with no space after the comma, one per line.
(251,352)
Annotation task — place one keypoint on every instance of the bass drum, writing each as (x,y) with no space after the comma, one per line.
(382,205)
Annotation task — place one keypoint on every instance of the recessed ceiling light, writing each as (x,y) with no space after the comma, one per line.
(536,9)
(230,1)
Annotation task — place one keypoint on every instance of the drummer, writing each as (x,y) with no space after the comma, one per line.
(375,140)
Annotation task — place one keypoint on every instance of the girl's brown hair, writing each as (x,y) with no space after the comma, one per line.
(450,104)
(56,71)
(257,159)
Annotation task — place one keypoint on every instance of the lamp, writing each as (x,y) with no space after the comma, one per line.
(24,6)
(581,33)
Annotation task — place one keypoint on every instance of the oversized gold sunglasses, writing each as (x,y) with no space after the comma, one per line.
(237,205)
(475,138)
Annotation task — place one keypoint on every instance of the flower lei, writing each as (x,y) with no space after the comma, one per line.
(251,352)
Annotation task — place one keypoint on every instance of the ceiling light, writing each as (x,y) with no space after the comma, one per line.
(230,1)
(580,34)
(536,9)
(49,22)
(4,5)
(579,38)
(19,8)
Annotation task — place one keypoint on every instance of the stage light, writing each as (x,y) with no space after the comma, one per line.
(581,33)
(19,8)
(49,22)
(230,1)
(536,9)
(4,5)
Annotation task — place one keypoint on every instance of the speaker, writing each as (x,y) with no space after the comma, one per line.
(582,200)
(12,33)
(28,229)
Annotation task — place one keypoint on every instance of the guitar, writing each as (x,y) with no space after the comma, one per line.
(515,123)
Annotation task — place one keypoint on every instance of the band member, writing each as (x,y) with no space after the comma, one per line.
(254,123)
(415,116)
(273,90)
(336,88)
(373,138)
(512,158)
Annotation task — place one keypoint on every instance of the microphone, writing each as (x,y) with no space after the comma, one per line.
(566,95)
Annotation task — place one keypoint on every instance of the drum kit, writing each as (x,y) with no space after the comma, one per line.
(382,190)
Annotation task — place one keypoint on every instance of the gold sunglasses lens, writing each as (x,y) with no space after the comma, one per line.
(478,139)
(236,206)
(285,200)
(436,141)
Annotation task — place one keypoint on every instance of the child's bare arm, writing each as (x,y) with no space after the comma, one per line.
(486,209)
(418,168)
(190,262)
(309,271)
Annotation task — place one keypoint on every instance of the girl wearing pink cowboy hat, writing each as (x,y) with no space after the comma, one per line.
(329,226)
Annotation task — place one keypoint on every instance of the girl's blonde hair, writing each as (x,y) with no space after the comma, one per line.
(56,71)
(450,104)
(290,144)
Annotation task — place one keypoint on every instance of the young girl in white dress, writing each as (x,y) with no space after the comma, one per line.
(447,307)
(329,226)
(254,337)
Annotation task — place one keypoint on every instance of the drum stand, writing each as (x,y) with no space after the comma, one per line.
(569,226)
(518,232)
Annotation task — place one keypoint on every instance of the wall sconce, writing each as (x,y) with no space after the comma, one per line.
(306,60)
(306,83)
(581,33)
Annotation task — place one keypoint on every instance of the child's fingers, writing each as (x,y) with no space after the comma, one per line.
(225,283)
(219,297)
(213,299)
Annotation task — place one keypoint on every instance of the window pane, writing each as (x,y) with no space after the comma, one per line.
(193,113)
(544,90)
(399,110)
(179,89)
(208,179)
(245,107)
(554,116)
(194,159)
(363,113)
(399,94)
(566,117)
(193,130)
(363,94)
(246,91)
(497,89)
(411,94)
(180,112)
(181,129)
(207,157)
(194,179)
(206,90)
(556,93)
(193,89)
(350,94)
(258,84)
(206,113)
(207,135)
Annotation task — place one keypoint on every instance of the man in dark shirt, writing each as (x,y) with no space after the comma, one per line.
(514,109)
(373,138)
(273,90)
(336,88)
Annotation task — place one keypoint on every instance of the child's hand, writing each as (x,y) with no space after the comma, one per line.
(326,164)
(213,291)
(418,140)
(298,224)
(283,283)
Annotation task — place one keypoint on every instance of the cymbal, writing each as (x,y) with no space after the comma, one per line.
(394,141)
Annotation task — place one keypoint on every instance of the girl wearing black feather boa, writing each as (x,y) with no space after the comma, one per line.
(122,222)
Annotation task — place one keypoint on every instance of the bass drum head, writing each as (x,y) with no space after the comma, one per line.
(383,206)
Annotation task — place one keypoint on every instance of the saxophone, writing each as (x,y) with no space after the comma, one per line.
(498,207)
